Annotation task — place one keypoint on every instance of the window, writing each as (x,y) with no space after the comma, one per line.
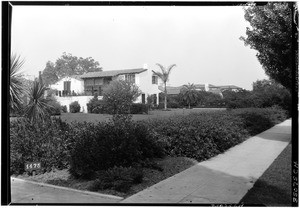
(130,78)
(154,80)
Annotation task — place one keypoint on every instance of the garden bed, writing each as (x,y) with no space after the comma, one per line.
(169,167)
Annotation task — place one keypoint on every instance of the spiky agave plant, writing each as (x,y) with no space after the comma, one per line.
(38,108)
(164,76)
(16,88)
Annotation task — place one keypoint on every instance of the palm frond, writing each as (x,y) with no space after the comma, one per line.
(170,68)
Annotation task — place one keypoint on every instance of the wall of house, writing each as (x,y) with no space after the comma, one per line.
(82,100)
(76,85)
(144,82)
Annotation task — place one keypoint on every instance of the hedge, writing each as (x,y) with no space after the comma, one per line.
(46,142)
(99,107)
(139,108)
(86,148)
(198,136)
(256,120)
(203,135)
(120,142)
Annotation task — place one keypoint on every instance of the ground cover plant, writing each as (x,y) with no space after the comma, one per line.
(169,166)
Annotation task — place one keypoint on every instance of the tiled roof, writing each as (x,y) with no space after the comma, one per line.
(215,91)
(76,77)
(112,73)
(229,87)
(212,88)
(171,90)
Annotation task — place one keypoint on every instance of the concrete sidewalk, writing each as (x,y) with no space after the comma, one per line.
(36,193)
(225,178)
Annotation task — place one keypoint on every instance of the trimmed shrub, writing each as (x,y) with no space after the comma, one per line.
(74,107)
(139,108)
(43,141)
(257,120)
(64,109)
(117,178)
(56,107)
(120,142)
(199,136)
(96,106)
(174,105)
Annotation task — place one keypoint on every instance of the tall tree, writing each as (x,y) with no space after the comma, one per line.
(16,86)
(49,75)
(271,35)
(68,65)
(189,94)
(164,76)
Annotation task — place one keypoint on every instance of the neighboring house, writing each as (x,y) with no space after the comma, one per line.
(202,87)
(87,85)
(229,87)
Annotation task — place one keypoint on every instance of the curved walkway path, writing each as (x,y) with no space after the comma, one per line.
(225,178)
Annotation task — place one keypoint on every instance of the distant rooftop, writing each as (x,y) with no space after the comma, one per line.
(211,88)
(112,73)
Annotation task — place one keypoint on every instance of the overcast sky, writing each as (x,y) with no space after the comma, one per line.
(202,41)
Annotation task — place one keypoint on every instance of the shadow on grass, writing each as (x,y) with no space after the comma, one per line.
(273,188)
(266,194)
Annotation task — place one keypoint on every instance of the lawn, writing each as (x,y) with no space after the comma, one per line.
(273,188)
(168,167)
(90,117)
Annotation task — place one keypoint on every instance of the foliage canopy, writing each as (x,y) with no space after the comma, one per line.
(271,35)
(68,65)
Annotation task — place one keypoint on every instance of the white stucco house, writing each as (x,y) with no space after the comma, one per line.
(69,85)
(82,88)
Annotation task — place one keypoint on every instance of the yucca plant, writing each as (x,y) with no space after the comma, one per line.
(38,108)
(16,88)
(164,76)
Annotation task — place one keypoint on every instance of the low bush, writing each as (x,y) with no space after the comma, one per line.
(74,107)
(117,178)
(198,136)
(120,142)
(56,107)
(174,105)
(139,108)
(257,120)
(46,142)
(64,109)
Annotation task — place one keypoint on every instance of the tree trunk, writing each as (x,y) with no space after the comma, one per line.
(165,96)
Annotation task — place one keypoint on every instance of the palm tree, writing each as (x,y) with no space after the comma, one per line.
(164,76)
(16,86)
(189,94)
(38,108)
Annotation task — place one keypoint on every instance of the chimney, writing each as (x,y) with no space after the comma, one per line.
(145,66)
(40,77)
(206,87)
